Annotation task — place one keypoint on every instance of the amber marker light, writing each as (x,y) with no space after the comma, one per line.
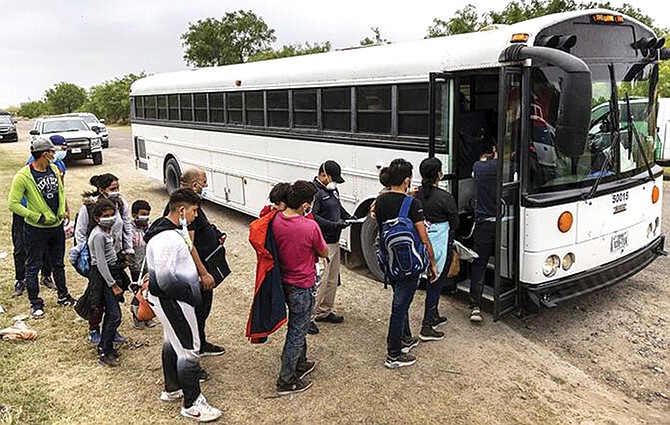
(655,193)
(565,222)
(519,38)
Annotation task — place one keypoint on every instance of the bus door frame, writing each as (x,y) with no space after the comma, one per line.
(449,80)
(507,289)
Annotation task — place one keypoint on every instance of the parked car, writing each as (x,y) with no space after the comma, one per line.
(8,131)
(83,141)
(92,120)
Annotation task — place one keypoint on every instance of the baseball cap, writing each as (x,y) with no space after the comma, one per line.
(57,139)
(41,144)
(333,169)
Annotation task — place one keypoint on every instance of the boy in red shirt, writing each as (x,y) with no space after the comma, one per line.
(299,243)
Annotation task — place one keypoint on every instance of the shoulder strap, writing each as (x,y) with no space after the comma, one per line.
(404,209)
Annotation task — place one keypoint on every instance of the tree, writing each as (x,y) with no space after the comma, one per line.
(64,98)
(110,100)
(236,37)
(377,40)
(291,50)
(517,11)
(32,109)
(464,20)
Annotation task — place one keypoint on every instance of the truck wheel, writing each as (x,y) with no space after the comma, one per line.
(172,175)
(97,158)
(369,241)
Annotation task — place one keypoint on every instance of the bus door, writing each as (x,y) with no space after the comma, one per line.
(506,293)
(442,87)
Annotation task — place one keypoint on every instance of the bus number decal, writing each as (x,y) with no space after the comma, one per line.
(620,197)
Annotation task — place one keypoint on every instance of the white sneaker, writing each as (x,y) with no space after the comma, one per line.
(37,313)
(201,411)
(172,395)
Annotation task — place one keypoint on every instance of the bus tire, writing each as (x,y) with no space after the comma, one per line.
(172,175)
(97,158)
(369,235)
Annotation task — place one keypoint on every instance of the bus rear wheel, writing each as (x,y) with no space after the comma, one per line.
(172,175)
(369,241)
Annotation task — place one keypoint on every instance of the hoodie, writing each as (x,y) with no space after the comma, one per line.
(172,272)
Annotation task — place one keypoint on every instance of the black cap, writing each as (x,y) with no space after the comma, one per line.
(333,169)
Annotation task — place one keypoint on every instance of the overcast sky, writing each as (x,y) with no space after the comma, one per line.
(87,42)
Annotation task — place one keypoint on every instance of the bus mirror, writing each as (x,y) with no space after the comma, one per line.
(574,109)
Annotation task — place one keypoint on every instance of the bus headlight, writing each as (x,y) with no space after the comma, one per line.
(568,260)
(551,265)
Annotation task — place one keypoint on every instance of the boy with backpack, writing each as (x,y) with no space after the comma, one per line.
(140,211)
(404,254)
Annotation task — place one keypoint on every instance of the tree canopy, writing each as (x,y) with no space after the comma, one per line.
(64,98)
(111,99)
(376,40)
(233,39)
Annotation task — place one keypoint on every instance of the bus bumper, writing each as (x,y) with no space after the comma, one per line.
(552,293)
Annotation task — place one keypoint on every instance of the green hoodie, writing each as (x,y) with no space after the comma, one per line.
(24,185)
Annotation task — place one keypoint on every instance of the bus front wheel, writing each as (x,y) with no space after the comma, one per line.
(369,241)
(172,175)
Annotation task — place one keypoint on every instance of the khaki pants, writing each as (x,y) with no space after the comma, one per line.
(325,292)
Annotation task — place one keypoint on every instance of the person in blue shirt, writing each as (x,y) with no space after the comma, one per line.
(17,227)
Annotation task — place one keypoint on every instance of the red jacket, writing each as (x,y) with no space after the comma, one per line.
(268,309)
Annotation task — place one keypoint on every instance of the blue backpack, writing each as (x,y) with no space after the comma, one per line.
(80,258)
(401,253)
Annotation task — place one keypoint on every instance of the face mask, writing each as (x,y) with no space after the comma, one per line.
(331,186)
(59,156)
(113,195)
(183,223)
(204,193)
(142,219)
(107,222)
(184,232)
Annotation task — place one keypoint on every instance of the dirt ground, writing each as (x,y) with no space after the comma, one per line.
(602,359)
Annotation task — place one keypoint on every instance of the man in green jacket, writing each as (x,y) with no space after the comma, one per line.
(41,185)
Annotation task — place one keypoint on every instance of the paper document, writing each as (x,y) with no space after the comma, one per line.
(356,220)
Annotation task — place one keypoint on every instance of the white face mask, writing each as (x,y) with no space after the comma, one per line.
(142,219)
(331,186)
(113,195)
(107,222)
(205,193)
(60,155)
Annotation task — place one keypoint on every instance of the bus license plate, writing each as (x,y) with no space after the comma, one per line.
(75,150)
(619,241)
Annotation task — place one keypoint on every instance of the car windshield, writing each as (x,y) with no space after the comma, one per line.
(551,170)
(90,119)
(62,126)
(5,119)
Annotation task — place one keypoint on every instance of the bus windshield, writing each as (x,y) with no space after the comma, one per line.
(611,152)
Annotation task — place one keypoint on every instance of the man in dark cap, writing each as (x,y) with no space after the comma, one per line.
(41,185)
(330,215)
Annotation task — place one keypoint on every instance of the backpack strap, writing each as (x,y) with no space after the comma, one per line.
(404,209)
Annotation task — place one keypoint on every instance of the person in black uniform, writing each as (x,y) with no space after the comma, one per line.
(330,215)
(485,173)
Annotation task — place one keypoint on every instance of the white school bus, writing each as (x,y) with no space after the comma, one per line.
(579,197)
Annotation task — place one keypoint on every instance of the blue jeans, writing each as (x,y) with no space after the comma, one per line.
(403,294)
(300,302)
(37,242)
(112,318)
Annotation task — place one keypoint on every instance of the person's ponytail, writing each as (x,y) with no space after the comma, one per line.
(430,170)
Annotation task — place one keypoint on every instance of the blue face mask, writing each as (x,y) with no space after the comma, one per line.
(60,155)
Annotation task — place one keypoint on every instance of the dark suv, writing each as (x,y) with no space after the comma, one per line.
(7,128)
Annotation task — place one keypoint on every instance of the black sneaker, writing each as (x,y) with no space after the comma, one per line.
(209,349)
(331,318)
(109,360)
(66,301)
(48,283)
(296,387)
(399,361)
(305,369)
(19,287)
(313,329)
(203,375)
(429,334)
(408,344)
(437,321)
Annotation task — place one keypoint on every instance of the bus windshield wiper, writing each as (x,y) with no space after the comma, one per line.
(636,136)
(610,159)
